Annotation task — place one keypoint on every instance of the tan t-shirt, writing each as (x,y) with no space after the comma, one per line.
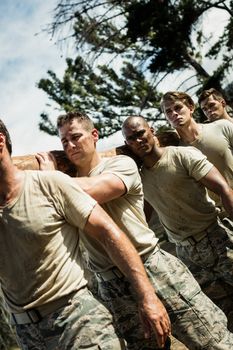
(127,211)
(171,187)
(39,240)
(216,142)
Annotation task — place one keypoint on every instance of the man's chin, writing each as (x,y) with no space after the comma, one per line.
(212,118)
(75,159)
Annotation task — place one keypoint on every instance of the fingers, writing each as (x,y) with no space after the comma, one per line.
(45,160)
(162,331)
(157,327)
(156,320)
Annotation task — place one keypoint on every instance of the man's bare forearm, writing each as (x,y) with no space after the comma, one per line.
(123,254)
(120,250)
(227,201)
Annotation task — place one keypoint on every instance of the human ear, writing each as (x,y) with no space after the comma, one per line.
(2,141)
(95,135)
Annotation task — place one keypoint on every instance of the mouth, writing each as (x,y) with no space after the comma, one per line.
(177,120)
(74,154)
(143,147)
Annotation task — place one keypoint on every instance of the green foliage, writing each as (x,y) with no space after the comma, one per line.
(103,93)
(125,48)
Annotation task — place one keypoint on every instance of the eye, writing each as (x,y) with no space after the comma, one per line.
(130,138)
(140,133)
(64,144)
(76,137)
(178,108)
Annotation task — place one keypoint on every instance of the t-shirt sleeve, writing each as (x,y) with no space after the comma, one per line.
(126,169)
(196,163)
(73,203)
(227,128)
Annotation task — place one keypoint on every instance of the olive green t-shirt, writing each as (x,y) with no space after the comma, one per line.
(127,212)
(171,187)
(39,240)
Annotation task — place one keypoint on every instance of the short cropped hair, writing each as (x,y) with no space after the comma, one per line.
(173,96)
(217,95)
(81,117)
(5,132)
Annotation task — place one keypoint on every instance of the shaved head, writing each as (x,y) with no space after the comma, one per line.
(133,121)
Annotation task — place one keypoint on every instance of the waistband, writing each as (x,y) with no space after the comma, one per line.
(111,274)
(114,272)
(194,239)
(35,315)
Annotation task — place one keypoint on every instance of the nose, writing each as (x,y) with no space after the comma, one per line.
(71,145)
(171,115)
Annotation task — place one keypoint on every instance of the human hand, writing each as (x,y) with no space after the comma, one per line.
(155,319)
(46,161)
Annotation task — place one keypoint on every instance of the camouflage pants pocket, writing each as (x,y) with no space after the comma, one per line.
(117,296)
(198,323)
(201,254)
(196,320)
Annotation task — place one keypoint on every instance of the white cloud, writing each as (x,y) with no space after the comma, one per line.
(25,58)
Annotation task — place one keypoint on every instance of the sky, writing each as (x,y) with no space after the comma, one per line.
(27,53)
(25,56)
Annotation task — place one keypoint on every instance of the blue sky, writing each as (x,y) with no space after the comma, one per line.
(26,54)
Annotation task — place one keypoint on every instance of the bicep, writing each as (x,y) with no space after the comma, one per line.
(214,181)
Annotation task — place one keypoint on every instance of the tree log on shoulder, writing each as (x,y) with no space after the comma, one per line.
(61,162)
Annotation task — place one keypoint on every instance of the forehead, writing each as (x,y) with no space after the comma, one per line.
(172,103)
(71,127)
(207,100)
(134,126)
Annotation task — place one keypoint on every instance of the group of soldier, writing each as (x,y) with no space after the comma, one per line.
(140,293)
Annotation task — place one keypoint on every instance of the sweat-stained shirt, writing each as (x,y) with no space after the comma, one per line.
(127,211)
(171,187)
(39,240)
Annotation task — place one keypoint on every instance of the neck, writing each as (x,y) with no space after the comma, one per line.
(149,160)
(226,116)
(11,181)
(189,133)
(89,164)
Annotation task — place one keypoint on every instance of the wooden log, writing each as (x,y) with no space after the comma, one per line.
(59,158)
(61,161)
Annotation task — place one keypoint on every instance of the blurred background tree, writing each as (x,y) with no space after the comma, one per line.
(125,49)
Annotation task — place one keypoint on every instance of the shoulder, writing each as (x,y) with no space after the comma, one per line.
(187,156)
(119,162)
(221,123)
(184,151)
(51,179)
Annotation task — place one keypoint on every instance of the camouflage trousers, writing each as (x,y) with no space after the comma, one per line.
(211,262)
(196,320)
(83,324)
